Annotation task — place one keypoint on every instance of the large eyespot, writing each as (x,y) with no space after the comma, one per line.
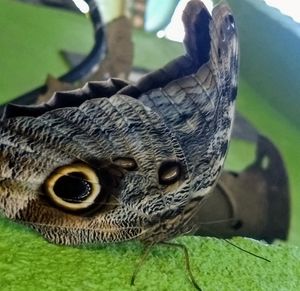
(73,187)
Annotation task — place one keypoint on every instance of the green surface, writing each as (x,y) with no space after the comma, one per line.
(30,38)
(27,262)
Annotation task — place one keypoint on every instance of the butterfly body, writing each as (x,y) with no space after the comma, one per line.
(131,166)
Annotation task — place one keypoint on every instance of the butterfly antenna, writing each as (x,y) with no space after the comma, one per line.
(245,251)
(187,262)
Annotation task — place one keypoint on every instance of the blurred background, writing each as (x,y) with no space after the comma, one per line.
(36,34)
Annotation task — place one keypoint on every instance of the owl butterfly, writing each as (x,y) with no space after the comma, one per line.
(113,161)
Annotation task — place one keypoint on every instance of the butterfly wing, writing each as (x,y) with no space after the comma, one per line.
(114,169)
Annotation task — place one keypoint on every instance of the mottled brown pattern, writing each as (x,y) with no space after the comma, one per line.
(179,115)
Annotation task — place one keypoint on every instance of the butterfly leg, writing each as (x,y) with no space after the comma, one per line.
(187,261)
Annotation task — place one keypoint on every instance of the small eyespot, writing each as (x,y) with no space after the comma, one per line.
(73,187)
(169,172)
(128,164)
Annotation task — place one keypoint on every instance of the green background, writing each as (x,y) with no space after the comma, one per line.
(30,38)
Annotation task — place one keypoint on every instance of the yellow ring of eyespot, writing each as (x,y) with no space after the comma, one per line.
(74,168)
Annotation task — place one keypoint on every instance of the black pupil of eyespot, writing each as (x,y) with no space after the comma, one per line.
(72,188)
